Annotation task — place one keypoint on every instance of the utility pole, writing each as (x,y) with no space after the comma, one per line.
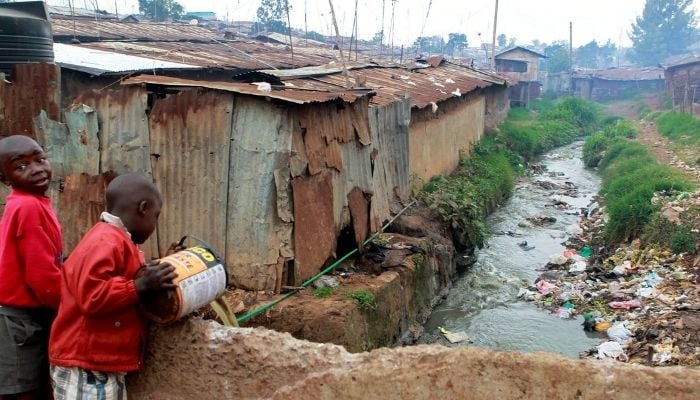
(493,41)
(571,46)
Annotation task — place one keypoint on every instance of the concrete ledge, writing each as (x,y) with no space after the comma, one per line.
(201,359)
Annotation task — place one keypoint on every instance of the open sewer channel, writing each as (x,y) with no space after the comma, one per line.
(484,304)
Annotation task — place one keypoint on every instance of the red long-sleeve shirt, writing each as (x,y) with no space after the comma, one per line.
(98,326)
(31,252)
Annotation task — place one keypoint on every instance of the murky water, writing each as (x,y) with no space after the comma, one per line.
(484,301)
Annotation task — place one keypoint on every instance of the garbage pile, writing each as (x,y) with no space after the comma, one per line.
(645,299)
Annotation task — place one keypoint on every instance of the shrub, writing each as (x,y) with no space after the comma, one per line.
(323,292)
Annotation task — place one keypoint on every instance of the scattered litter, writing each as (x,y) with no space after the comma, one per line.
(610,350)
(585,251)
(578,266)
(326,281)
(574,230)
(545,287)
(558,259)
(619,333)
(454,337)
(627,305)
(457,93)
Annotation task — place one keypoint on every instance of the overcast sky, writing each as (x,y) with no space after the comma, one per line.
(526,20)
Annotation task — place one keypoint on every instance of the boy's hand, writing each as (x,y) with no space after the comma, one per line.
(174,248)
(155,276)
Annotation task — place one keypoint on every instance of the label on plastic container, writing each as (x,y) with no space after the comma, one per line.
(200,289)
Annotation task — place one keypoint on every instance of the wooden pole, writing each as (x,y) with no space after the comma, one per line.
(493,41)
(340,48)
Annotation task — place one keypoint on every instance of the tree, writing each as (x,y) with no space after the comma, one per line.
(665,28)
(512,41)
(273,14)
(587,55)
(456,42)
(430,44)
(161,10)
(502,40)
(558,53)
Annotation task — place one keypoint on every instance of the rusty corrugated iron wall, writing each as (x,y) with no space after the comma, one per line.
(190,135)
(34,87)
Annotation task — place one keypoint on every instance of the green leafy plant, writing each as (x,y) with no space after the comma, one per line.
(363,299)
(323,292)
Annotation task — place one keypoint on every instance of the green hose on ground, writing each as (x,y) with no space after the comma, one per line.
(262,309)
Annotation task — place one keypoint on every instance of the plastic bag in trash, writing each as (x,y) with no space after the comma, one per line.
(557,259)
(629,304)
(545,287)
(579,266)
(574,230)
(564,313)
(653,279)
(586,251)
(619,333)
(610,350)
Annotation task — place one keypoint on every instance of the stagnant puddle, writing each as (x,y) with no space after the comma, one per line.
(484,303)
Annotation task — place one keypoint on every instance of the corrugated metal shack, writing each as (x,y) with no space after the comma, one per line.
(611,84)
(449,106)
(276,177)
(682,75)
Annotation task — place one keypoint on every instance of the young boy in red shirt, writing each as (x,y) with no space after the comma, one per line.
(30,257)
(99,334)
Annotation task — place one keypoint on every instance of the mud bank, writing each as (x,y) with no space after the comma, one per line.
(405,286)
(201,359)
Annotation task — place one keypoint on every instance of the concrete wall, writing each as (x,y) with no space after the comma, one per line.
(197,359)
(533,63)
(436,140)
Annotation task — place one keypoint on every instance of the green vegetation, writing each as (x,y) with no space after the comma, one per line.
(680,238)
(363,299)
(613,130)
(631,177)
(683,129)
(464,199)
(323,292)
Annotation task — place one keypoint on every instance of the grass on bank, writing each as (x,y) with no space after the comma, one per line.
(483,180)
(631,177)
(683,132)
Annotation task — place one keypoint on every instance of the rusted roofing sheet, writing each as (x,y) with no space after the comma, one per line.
(246,55)
(679,61)
(90,30)
(423,86)
(291,95)
(625,74)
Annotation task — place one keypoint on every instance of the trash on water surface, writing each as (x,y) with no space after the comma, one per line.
(545,287)
(454,337)
(619,333)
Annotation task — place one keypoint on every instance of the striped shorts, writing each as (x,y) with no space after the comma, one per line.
(81,384)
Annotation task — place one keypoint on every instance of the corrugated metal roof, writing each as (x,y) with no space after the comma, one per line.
(624,74)
(99,62)
(678,61)
(291,95)
(423,86)
(533,52)
(247,55)
(91,30)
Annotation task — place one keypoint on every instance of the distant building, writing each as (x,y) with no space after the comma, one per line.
(682,80)
(616,83)
(200,16)
(521,64)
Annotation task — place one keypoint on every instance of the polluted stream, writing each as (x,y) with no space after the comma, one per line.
(484,301)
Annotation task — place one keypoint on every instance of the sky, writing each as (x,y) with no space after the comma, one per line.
(526,20)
